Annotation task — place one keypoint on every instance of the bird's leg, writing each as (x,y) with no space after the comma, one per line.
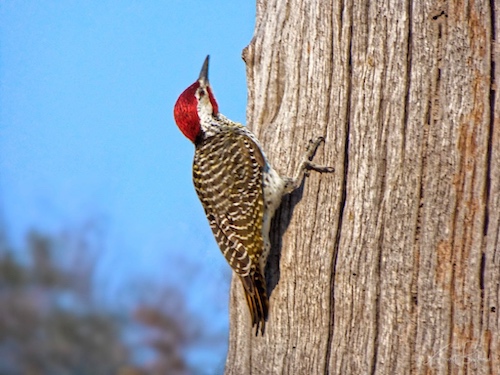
(305,165)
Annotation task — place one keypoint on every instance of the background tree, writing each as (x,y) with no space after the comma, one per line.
(48,323)
(52,320)
(391,265)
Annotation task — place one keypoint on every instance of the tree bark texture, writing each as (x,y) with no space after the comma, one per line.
(391,265)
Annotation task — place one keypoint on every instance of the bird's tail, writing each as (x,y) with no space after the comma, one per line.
(258,303)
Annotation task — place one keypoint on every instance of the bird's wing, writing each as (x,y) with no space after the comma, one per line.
(227,175)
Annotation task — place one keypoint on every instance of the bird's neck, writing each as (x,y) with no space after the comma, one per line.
(215,124)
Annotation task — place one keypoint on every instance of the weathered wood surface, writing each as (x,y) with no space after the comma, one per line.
(392,264)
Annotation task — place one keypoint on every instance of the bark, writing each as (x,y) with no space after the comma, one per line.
(391,265)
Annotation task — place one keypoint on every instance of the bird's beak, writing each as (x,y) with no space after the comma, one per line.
(203,78)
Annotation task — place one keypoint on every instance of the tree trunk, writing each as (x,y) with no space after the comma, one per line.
(391,265)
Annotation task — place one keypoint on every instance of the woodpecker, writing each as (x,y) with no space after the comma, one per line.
(238,188)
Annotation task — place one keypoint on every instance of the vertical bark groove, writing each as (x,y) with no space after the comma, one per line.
(343,193)
(491,124)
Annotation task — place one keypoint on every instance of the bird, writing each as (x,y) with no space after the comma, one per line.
(237,186)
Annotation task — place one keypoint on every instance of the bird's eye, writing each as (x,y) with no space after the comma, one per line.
(202,93)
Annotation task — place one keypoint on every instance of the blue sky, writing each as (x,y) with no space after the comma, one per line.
(87,133)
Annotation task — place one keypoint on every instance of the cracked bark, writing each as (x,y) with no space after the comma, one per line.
(391,265)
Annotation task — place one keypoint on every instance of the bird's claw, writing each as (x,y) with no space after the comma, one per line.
(311,150)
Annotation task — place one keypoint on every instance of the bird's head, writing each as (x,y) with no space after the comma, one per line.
(196,103)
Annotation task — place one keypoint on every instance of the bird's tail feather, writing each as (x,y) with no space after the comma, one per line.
(258,303)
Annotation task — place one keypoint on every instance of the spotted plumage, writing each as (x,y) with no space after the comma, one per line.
(237,187)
